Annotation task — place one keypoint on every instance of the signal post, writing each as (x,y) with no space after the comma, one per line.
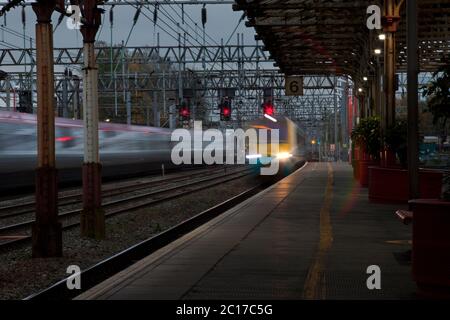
(226,100)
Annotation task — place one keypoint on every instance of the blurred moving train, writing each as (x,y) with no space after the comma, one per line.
(123,149)
(291,149)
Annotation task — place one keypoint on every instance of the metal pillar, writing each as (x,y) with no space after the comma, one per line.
(65,95)
(111,66)
(377,88)
(335,139)
(180,74)
(46,230)
(361,107)
(344,117)
(8,94)
(156,117)
(92,216)
(128,105)
(391,21)
(164,92)
(172,117)
(373,97)
(75,99)
(413,105)
(389,69)
(147,115)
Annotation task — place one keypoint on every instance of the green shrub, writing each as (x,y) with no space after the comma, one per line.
(367,135)
(396,140)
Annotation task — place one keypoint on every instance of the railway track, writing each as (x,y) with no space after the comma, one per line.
(26,205)
(18,233)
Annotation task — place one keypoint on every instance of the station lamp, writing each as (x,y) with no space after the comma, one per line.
(382,36)
(365,78)
(377,51)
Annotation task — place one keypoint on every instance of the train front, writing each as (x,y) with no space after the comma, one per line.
(278,145)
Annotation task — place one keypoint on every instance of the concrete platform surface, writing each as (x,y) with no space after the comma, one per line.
(313,235)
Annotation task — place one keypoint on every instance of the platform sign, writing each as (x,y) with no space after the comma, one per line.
(294,86)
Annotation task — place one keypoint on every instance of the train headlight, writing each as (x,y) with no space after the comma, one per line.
(254,156)
(284,155)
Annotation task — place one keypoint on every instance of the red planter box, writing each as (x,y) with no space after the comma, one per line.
(361,166)
(361,154)
(431,247)
(355,164)
(363,171)
(390,185)
(388,159)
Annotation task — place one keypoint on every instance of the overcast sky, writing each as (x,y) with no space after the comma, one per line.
(221,23)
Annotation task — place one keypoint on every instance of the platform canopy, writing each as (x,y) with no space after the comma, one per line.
(331,36)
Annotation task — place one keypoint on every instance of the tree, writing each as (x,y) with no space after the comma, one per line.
(141,97)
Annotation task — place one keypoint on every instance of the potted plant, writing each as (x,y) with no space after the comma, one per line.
(396,140)
(390,183)
(366,137)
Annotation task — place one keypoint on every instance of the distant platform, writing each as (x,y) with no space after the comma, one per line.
(311,236)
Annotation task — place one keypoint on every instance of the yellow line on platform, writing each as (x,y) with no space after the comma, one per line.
(314,287)
(400,242)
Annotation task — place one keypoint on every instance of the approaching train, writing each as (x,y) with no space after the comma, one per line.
(291,150)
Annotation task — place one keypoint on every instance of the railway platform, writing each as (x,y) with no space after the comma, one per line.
(313,235)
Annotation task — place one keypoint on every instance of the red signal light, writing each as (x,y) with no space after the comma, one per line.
(225,111)
(184,112)
(268,109)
